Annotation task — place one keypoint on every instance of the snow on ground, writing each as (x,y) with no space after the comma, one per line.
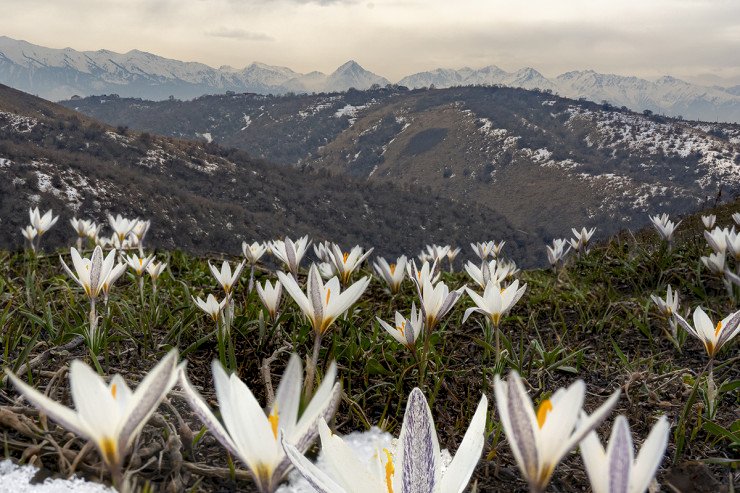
(365,445)
(17,123)
(637,133)
(18,479)
(247,122)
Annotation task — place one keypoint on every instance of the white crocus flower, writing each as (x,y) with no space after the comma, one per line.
(436,301)
(121,226)
(452,253)
(29,233)
(428,272)
(717,239)
(669,306)
(81,226)
(406,331)
(327,270)
(413,466)
(709,221)
(490,270)
(539,440)
(155,269)
(42,223)
(138,264)
(487,248)
(392,274)
(496,301)
(211,306)
(437,252)
(290,253)
(733,244)
(616,469)
(712,336)
(270,295)
(665,227)
(736,218)
(581,239)
(254,252)
(225,277)
(109,415)
(322,250)
(140,229)
(345,263)
(557,252)
(715,262)
(322,303)
(90,273)
(115,273)
(508,267)
(253,435)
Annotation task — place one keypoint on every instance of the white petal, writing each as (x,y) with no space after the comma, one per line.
(462,466)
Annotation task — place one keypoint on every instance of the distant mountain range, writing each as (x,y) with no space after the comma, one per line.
(58,74)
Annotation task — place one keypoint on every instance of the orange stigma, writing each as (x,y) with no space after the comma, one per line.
(328,295)
(389,470)
(718,329)
(545,407)
(113,389)
(274,419)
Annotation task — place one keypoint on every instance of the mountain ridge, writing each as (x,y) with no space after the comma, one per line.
(59,74)
(202,197)
(509,149)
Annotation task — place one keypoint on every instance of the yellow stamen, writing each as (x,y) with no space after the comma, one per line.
(401,328)
(718,329)
(346,254)
(328,294)
(113,390)
(389,470)
(274,419)
(545,407)
(392,268)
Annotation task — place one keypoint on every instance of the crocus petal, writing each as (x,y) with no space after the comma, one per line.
(288,395)
(619,456)
(650,456)
(317,478)
(323,405)
(345,466)
(62,415)
(200,408)
(517,416)
(458,473)
(93,400)
(418,455)
(147,396)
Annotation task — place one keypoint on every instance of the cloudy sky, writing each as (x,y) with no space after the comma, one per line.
(697,40)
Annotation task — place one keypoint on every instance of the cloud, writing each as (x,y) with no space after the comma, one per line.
(237,33)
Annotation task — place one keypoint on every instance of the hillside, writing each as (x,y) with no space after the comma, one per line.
(202,197)
(509,149)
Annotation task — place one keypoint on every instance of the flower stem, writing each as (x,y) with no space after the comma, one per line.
(311,369)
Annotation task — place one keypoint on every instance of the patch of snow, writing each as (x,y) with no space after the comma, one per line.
(247,122)
(16,123)
(365,445)
(18,479)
